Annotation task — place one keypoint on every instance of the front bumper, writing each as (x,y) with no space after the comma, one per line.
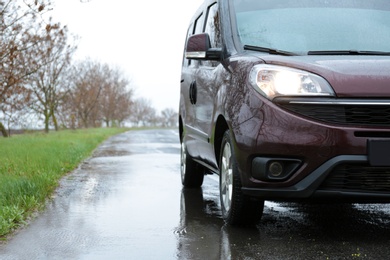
(342,178)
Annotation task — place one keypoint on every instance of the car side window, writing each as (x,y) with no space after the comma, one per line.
(213,28)
(199,23)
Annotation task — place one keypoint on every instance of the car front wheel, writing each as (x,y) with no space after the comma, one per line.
(237,208)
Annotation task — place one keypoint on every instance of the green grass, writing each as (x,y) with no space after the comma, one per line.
(31,166)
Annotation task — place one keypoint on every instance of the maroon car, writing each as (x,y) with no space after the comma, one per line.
(287,100)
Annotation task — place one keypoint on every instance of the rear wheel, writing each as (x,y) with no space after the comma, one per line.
(192,173)
(237,208)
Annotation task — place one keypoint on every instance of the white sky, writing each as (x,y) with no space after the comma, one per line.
(144,39)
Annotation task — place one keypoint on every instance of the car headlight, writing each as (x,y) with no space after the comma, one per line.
(274,81)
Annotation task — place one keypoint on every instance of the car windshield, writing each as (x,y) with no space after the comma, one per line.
(309,26)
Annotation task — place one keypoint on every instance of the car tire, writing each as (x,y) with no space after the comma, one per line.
(192,173)
(237,208)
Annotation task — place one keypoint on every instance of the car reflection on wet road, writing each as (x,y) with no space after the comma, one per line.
(127,202)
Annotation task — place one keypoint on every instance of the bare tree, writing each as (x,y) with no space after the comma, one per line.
(169,117)
(100,94)
(19,38)
(14,109)
(143,114)
(115,100)
(125,104)
(47,84)
(88,82)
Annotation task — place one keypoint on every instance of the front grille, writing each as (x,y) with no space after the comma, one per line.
(361,115)
(358,177)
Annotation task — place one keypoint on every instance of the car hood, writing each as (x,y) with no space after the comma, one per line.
(349,76)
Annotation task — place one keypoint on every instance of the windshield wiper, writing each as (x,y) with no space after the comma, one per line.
(347,52)
(269,50)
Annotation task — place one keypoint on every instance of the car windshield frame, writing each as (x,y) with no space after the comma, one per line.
(310,26)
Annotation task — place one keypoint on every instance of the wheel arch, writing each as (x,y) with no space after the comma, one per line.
(221,126)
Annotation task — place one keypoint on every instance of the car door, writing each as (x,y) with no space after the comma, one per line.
(206,87)
(188,89)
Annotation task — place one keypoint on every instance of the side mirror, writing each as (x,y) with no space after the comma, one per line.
(198,48)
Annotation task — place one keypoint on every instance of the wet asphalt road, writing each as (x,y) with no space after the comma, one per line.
(127,202)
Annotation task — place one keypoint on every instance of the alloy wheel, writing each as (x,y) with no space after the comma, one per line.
(226,177)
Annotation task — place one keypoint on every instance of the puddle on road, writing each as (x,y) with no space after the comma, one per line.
(110,153)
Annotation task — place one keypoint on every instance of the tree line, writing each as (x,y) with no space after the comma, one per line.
(41,84)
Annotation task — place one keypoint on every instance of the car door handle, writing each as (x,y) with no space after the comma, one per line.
(193,93)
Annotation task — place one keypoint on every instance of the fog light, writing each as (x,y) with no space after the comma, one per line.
(275,169)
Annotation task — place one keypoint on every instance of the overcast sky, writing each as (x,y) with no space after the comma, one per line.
(144,39)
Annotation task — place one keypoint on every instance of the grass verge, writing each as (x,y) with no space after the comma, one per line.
(31,166)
